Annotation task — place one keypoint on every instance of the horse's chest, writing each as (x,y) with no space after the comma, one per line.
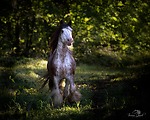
(64,65)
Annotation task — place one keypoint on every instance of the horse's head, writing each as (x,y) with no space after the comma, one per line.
(66,33)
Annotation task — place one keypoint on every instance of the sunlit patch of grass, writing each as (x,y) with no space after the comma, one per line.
(30,71)
(63,113)
(92,72)
(30,90)
(31,66)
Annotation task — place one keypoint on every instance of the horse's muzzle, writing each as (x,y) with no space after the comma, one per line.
(69,41)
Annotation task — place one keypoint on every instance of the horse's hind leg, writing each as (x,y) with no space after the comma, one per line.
(56,93)
(66,89)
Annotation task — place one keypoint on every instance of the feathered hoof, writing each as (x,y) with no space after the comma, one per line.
(74,97)
(57,99)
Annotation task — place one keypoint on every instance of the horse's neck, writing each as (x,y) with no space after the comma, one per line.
(62,50)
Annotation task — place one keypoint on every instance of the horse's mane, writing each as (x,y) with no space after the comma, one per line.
(55,36)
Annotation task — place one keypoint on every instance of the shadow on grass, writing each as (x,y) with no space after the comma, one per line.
(113,99)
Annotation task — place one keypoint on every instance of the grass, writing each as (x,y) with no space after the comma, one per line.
(107,92)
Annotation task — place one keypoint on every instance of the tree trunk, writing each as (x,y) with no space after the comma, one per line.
(17,34)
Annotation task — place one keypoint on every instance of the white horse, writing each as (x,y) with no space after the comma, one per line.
(61,66)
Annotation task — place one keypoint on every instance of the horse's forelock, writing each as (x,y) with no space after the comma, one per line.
(65,26)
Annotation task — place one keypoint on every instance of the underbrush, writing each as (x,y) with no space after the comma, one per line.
(108,58)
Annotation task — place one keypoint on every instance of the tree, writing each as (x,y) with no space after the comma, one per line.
(122,26)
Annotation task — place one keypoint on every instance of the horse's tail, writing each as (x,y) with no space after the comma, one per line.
(46,76)
(47,79)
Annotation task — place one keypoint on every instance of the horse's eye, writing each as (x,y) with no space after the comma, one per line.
(62,31)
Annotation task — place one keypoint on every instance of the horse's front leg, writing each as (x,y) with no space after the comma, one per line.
(74,96)
(56,93)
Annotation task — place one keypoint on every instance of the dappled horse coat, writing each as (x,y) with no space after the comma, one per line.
(61,65)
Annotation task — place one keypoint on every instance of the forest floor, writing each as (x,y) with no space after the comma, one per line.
(107,92)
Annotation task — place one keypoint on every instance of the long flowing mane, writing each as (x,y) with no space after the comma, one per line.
(55,36)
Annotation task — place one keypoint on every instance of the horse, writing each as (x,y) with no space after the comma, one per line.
(61,66)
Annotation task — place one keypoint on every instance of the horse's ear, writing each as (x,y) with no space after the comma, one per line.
(70,23)
(61,22)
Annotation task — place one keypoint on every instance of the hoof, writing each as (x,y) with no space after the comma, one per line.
(57,99)
(74,97)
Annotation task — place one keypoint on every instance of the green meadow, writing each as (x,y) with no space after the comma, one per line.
(107,92)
